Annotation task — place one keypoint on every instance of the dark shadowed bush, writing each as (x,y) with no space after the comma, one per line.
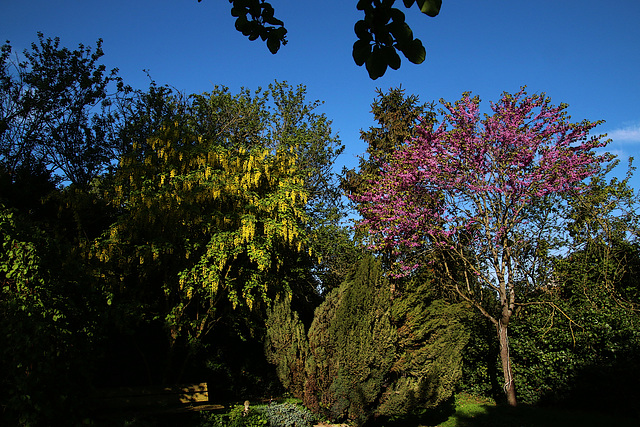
(370,351)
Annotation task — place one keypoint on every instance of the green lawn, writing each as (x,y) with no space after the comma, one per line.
(474,412)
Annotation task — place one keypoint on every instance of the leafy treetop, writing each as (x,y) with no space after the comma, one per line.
(478,176)
(464,191)
(55,110)
(397,116)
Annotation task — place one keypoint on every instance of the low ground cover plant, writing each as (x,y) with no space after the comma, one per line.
(287,414)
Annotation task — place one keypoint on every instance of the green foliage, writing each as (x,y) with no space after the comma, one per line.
(580,345)
(295,124)
(575,338)
(286,346)
(351,342)
(338,253)
(200,224)
(432,334)
(212,419)
(281,118)
(370,351)
(397,116)
(587,345)
(56,110)
(252,418)
(288,415)
(48,327)
(481,365)
(382,33)
(255,19)
(217,198)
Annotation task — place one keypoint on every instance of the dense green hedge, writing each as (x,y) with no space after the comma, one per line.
(371,351)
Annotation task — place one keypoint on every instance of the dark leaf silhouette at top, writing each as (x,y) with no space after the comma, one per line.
(381,33)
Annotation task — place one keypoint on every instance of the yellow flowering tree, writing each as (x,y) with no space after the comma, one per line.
(201,226)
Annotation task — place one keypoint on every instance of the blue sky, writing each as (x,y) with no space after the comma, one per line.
(585,53)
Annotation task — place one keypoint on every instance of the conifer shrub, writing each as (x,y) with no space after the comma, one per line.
(370,351)
(352,346)
(286,346)
(432,335)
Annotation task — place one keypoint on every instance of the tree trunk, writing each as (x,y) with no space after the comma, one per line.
(505,359)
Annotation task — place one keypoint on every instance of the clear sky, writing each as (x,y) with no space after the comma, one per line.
(585,53)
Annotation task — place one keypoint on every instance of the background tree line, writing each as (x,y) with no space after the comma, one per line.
(150,237)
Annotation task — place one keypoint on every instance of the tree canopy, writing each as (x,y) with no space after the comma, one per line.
(466,190)
(150,237)
(398,116)
(55,110)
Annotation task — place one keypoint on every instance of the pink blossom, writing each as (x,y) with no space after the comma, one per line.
(476,174)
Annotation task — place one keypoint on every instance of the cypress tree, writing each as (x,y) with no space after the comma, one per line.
(431,338)
(352,346)
(286,345)
(370,351)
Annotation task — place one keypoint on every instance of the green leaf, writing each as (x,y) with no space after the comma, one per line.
(273,43)
(415,52)
(273,21)
(267,11)
(362,31)
(281,34)
(396,15)
(363,4)
(401,32)
(242,24)
(361,52)
(430,7)
(267,15)
(236,12)
(240,3)
(391,57)
(376,63)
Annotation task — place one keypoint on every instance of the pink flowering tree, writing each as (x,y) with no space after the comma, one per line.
(466,189)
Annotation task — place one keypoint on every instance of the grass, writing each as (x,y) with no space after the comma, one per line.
(471,411)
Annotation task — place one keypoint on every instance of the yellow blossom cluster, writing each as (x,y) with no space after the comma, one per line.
(232,200)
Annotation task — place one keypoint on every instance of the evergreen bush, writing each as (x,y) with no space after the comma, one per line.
(352,346)
(286,346)
(371,351)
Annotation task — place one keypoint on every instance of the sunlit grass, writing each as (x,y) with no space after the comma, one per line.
(476,412)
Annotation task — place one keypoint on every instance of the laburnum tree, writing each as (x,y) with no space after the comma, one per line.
(202,227)
(462,193)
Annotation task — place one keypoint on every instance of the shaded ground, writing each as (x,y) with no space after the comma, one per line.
(469,411)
